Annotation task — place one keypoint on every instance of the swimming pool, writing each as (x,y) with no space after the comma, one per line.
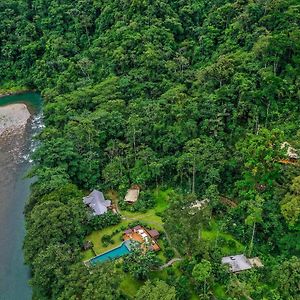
(123,249)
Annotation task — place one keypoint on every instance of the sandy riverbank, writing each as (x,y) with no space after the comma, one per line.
(13,117)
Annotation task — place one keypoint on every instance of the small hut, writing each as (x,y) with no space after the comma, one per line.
(239,263)
(132,194)
(291,152)
(87,245)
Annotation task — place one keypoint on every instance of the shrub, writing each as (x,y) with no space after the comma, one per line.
(107,239)
(231,244)
(169,253)
(103,221)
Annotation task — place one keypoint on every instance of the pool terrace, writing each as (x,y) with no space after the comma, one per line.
(112,254)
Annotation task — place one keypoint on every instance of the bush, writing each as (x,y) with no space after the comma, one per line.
(169,253)
(107,239)
(103,221)
(170,271)
(105,244)
(231,244)
(222,242)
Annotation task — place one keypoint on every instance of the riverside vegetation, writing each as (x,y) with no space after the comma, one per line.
(194,96)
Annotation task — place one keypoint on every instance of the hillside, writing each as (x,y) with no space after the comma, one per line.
(189,100)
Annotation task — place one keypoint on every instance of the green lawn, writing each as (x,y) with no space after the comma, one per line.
(149,218)
(88,254)
(162,199)
(214,237)
(130,286)
(96,236)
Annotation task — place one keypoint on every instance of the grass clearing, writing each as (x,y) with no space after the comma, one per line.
(148,217)
(162,199)
(88,254)
(130,286)
(96,237)
(228,243)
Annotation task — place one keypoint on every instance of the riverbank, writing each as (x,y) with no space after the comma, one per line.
(20,117)
(4,92)
(13,117)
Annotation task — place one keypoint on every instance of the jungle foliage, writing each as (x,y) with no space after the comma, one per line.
(195,95)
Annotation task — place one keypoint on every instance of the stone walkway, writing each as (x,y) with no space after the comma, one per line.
(169,263)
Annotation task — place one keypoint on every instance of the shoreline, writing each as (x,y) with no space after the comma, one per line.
(17,92)
(13,117)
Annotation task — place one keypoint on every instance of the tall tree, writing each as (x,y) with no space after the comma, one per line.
(290,204)
(158,290)
(201,272)
(255,209)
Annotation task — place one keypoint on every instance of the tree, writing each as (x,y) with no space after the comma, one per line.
(100,282)
(185,224)
(260,153)
(158,290)
(53,222)
(202,155)
(48,267)
(201,272)
(255,209)
(139,264)
(287,278)
(290,204)
(115,173)
(238,288)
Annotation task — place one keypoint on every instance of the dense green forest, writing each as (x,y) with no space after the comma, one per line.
(194,96)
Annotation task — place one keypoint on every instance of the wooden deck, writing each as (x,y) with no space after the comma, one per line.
(145,242)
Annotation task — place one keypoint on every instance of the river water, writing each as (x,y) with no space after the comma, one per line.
(14,191)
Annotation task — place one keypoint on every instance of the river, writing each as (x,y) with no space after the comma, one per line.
(14,191)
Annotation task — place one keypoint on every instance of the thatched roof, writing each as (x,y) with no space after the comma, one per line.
(132,194)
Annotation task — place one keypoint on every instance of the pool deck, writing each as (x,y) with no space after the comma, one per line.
(125,243)
(147,242)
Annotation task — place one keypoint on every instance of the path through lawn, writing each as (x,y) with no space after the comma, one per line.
(150,217)
(127,217)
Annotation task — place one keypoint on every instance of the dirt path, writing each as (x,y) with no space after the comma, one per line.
(143,217)
(170,263)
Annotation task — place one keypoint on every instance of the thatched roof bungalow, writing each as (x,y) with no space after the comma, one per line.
(132,194)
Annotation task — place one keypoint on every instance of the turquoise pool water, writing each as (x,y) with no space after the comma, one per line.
(123,249)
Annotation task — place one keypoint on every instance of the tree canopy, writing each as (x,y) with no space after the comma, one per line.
(193,95)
